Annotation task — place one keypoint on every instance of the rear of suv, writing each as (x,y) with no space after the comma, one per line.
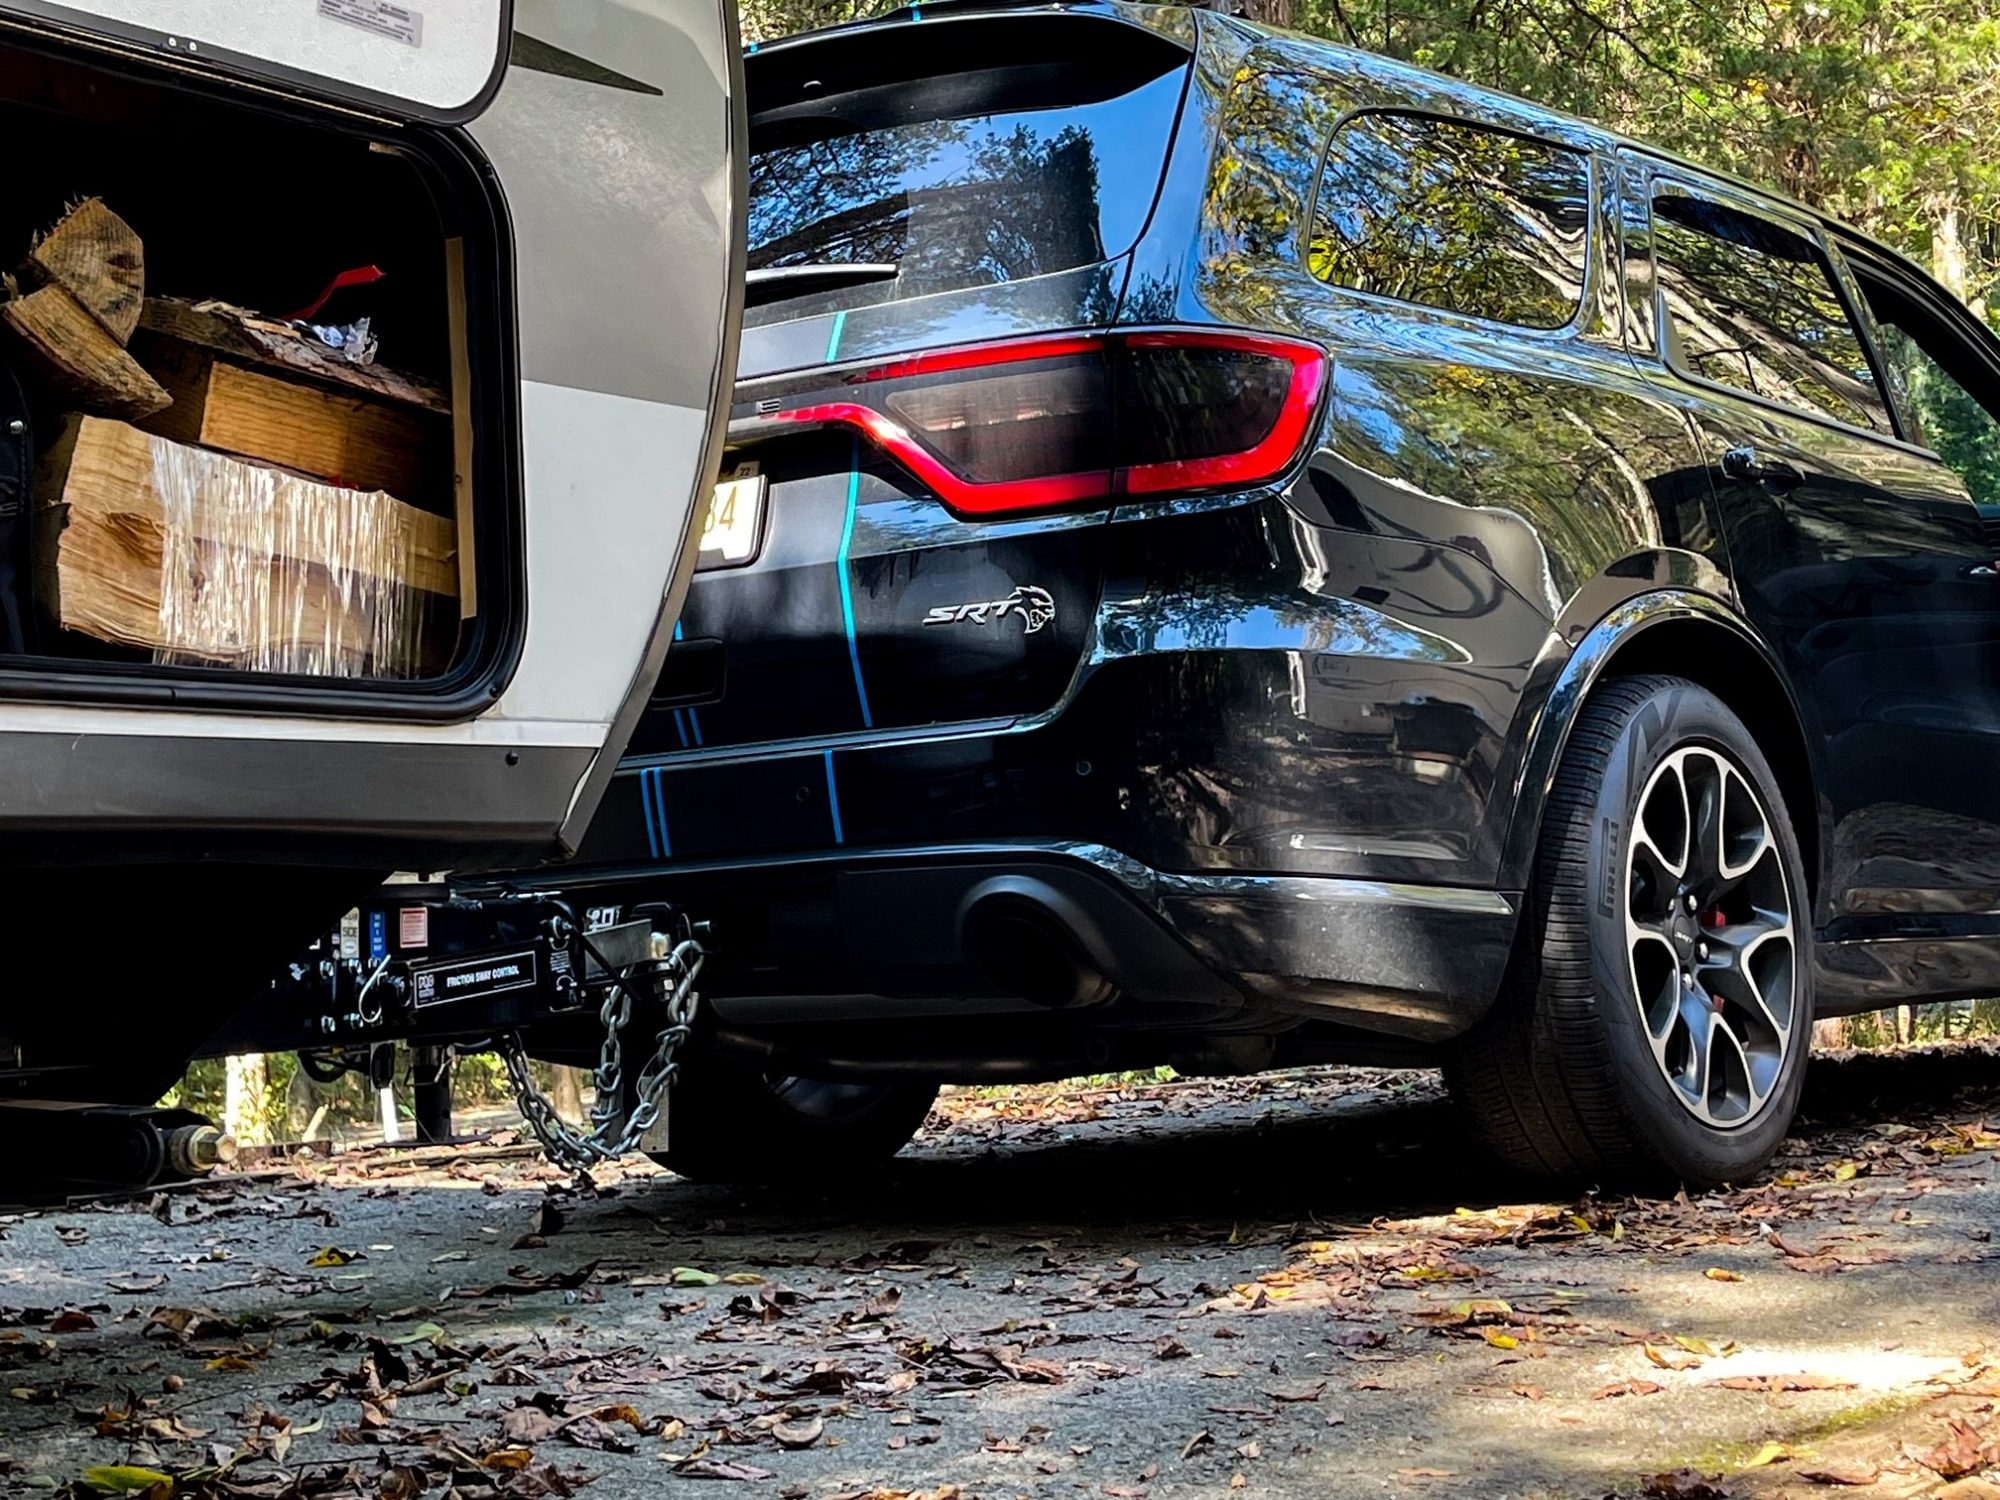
(1238,552)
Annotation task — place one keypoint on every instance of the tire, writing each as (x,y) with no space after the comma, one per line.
(727,1123)
(1572,1074)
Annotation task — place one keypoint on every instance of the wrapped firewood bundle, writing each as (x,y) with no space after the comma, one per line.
(204,558)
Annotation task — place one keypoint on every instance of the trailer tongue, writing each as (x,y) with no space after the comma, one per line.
(422,963)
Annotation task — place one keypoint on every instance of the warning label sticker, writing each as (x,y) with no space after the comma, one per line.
(413,927)
(400,23)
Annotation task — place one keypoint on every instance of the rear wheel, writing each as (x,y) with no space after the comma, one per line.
(731,1123)
(1655,1021)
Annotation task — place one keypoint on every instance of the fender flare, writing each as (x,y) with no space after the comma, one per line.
(1587,662)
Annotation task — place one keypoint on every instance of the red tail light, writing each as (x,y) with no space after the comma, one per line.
(1075,419)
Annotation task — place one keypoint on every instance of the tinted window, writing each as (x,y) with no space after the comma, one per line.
(1452,216)
(1752,305)
(1926,362)
(960,181)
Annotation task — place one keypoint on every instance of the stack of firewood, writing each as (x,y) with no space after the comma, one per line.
(218,487)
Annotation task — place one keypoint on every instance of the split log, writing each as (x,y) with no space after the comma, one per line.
(99,260)
(87,278)
(77,359)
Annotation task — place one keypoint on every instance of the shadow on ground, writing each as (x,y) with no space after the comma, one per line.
(1266,1150)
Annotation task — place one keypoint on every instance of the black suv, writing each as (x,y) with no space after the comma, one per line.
(1242,552)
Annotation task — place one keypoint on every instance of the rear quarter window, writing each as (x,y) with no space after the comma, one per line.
(1752,305)
(1454,216)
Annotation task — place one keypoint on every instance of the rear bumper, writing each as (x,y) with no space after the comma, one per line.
(870,933)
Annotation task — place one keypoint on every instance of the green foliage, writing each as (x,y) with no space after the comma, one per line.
(293,1102)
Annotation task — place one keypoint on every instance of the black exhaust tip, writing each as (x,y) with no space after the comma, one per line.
(1029,940)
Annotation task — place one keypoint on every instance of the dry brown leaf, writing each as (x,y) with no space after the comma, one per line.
(1665,1361)
(626,1414)
(529,1425)
(1310,1392)
(1837,1472)
(1769,1383)
(1966,1450)
(1626,1388)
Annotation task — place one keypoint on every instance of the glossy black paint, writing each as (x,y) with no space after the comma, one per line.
(1361,677)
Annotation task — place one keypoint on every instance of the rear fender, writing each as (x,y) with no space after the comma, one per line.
(1546,718)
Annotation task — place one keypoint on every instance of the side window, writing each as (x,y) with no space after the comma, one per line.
(1454,216)
(1751,305)
(1937,375)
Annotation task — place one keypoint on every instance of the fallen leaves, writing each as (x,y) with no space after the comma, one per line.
(1965,1450)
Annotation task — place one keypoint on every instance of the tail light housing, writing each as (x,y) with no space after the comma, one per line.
(1071,420)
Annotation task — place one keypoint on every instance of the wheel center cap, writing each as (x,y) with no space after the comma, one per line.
(1680,932)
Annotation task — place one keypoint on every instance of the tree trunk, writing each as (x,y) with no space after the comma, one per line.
(1906,1024)
(1948,251)
(567,1093)
(1830,1034)
(1270,12)
(244,1085)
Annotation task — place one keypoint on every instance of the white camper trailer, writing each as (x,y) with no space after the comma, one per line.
(363,366)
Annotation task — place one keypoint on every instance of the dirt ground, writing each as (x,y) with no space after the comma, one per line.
(1305,1284)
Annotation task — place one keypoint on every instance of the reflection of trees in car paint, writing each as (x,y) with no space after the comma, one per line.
(1469,220)
(1754,308)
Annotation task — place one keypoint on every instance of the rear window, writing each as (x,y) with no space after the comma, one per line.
(1454,216)
(954,181)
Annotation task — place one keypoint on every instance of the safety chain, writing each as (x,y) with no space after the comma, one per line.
(569,1146)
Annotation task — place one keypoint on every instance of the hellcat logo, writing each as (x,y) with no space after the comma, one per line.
(1036,606)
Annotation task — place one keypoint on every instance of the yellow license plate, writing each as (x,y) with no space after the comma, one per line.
(734,522)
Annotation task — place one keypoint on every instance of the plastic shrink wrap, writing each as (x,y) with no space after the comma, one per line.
(204,559)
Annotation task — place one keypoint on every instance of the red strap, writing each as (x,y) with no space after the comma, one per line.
(355,276)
